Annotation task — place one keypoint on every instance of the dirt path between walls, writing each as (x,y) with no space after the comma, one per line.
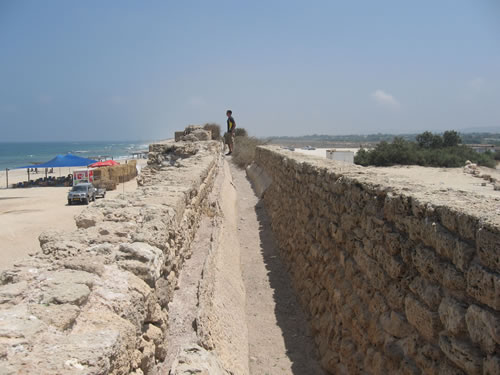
(278,334)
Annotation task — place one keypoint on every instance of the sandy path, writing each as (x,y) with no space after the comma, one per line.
(279,341)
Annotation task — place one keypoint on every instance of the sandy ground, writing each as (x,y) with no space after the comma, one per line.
(25,213)
(435,178)
(278,336)
(442,178)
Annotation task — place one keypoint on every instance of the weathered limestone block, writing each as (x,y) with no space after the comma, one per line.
(427,263)
(424,320)
(396,324)
(89,217)
(428,292)
(194,359)
(392,265)
(484,286)
(90,264)
(395,296)
(462,354)
(429,358)
(408,258)
(462,255)
(75,294)
(377,276)
(142,259)
(483,327)
(452,315)
(67,286)
(452,278)
(155,334)
(467,226)
(59,316)
(491,365)
(441,240)
(63,248)
(178,135)
(12,293)
(17,327)
(488,248)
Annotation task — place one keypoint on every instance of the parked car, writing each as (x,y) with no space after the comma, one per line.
(82,193)
(100,193)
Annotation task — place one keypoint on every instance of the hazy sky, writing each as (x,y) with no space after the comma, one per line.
(130,70)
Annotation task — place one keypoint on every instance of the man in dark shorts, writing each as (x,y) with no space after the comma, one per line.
(231,126)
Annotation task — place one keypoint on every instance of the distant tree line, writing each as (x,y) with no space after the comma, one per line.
(428,149)
(467,138)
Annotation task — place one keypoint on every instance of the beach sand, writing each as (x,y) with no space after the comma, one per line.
(26,212)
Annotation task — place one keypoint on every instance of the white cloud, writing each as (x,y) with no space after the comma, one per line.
(476,84)
(385,99)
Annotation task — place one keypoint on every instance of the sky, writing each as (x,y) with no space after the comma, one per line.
(140,70)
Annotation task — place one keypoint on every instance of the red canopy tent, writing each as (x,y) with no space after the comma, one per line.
(106,163)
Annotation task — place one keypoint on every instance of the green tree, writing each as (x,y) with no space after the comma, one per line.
(429,140)
(451,138)
(424,140)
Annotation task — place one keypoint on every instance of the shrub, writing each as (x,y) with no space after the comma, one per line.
(451,138)
(425,152)
(215,129)
(240,132)
(244,150)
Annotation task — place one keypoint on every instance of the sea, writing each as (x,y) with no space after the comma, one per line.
(19,154)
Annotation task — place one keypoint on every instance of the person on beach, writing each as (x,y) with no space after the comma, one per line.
(229,136)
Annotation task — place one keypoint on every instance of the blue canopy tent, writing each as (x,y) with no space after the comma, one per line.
(59,161)
(68,160)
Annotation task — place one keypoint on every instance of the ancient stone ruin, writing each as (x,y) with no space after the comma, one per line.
(394,279)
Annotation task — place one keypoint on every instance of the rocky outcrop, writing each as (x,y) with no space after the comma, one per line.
(95,301)
(193,133)
(396,278)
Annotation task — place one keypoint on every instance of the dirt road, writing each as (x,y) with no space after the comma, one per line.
(279,341)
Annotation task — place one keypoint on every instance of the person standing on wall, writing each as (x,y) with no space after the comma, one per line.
(231,126)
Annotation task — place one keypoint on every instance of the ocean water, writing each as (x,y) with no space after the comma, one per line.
(18,154)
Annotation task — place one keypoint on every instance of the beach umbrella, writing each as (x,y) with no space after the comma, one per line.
(106,163)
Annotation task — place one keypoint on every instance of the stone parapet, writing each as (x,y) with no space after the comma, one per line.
(94,301)
(396,278)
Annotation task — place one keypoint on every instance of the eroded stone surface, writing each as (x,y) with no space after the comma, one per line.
(88,302)
(396,276)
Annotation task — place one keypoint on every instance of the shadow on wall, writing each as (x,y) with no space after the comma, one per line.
(291,319)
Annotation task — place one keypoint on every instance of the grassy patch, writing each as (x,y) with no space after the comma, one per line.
(215,129)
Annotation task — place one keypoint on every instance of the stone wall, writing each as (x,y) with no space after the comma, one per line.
(94,301)
(395,278)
